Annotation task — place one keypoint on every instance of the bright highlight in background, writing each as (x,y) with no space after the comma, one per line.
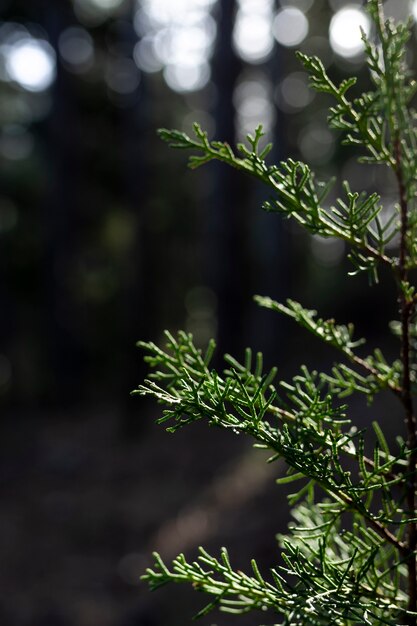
(183,77)
(31,63)
(344,31)
(76,48)
(252,34)
(176,36)
(290,26)
(106,5)
(164,12)
(253,102)
(95,12)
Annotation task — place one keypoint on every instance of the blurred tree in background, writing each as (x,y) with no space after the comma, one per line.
(94,212)
(104,240)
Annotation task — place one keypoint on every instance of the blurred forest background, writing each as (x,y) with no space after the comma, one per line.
(106,238)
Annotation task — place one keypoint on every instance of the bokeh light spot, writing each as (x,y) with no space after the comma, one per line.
(106,5)
(290,26)
(316,144)
(253,102)
(187,77)
(294,92)
(177,36)
(252,36)
(76,48)
(95,12)
(145,56)
(165,12)
(122,76)
(31,63)
(345,33)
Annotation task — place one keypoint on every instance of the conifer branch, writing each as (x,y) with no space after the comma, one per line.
(310,438)
(338,591)
(365,575)
(358,119)
(297,195)
(340,337)
(399,132)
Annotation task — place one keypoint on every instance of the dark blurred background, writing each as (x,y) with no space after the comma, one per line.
(106,238)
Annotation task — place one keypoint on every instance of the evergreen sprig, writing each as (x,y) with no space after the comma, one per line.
(344,587)
(354,218)
(349,557)
(381,375)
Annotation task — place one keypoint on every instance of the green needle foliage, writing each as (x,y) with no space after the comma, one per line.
(350,554)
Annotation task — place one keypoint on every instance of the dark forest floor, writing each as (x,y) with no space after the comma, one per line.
(83,505)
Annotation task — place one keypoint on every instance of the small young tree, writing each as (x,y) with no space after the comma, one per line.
(365,574)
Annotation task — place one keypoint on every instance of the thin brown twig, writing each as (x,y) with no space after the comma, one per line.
(407,305)
(363,363)
(406,309)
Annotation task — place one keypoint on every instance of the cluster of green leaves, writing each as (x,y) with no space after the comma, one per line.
(300,422)
(297,194)
(329,575)
(369,595)
(344,379)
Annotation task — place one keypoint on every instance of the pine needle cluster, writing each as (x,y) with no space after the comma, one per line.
(333,572)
